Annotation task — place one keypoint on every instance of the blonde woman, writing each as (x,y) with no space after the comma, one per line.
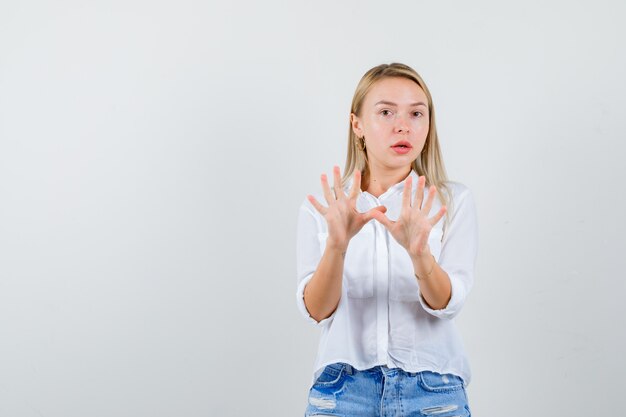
(385,261)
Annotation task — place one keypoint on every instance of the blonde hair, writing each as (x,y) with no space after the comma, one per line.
(430,161)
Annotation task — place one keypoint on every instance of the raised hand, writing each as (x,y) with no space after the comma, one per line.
(413,226)
(343,219)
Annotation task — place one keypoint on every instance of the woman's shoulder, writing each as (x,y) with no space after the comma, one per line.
(457,189)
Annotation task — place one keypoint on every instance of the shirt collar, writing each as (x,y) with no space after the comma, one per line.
(396,187)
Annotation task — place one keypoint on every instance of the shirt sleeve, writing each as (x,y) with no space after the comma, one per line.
(308,255)
(458,254)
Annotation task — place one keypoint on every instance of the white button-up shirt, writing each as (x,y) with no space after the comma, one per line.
(381,318)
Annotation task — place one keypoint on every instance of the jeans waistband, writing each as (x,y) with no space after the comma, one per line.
(380,369)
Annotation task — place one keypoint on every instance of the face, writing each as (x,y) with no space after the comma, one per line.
(394,122)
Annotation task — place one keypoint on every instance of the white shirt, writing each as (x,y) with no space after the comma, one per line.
(381,318)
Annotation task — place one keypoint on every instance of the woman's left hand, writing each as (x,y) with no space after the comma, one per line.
(413,227)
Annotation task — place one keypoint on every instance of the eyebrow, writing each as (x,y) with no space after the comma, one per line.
(390,103)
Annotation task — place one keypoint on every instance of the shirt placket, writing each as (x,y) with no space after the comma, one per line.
(381,278)
(381,281)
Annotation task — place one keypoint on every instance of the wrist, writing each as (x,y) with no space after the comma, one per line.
(336,246)
(422,257)
(423,265)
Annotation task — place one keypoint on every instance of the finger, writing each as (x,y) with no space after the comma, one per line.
(435,219)
(406,193)
(432,191)
(320,208)
(328,195)
(337,183)
(419,194)
(380,217)
(356,185)
(369,215)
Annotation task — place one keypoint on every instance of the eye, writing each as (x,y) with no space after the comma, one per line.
(385,112)
(417,113)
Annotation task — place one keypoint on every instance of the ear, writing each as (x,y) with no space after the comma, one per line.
(356,125)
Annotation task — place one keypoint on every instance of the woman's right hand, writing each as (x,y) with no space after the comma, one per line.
(342,217)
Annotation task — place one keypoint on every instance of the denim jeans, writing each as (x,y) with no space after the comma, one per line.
(341,390)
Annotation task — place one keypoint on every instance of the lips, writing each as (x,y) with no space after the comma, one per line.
(402,144)
(401,148)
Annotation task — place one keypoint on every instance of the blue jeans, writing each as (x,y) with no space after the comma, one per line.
(342,390)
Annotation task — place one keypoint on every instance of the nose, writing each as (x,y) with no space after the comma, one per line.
(402,126)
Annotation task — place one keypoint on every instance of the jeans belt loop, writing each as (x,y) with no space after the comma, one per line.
(349,369)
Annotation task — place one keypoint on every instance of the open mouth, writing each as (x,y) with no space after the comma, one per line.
(402,145)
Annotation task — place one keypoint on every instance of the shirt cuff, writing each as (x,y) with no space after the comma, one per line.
(302,306)
(457,299)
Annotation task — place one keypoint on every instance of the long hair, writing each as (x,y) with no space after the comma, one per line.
(430,161)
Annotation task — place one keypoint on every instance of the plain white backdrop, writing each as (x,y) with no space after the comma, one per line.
(153,156)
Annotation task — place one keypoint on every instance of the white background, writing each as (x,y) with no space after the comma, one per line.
(153,156)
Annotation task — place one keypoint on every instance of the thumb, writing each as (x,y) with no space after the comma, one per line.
(380,217)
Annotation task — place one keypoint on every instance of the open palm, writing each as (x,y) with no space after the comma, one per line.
(343,219)
(413,226)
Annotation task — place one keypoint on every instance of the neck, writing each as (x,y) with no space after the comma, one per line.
(377,181)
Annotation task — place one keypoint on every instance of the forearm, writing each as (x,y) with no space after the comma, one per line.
(435,287)
(322,293)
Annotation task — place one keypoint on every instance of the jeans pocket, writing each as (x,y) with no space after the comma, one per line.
(434,382)
(332,375)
